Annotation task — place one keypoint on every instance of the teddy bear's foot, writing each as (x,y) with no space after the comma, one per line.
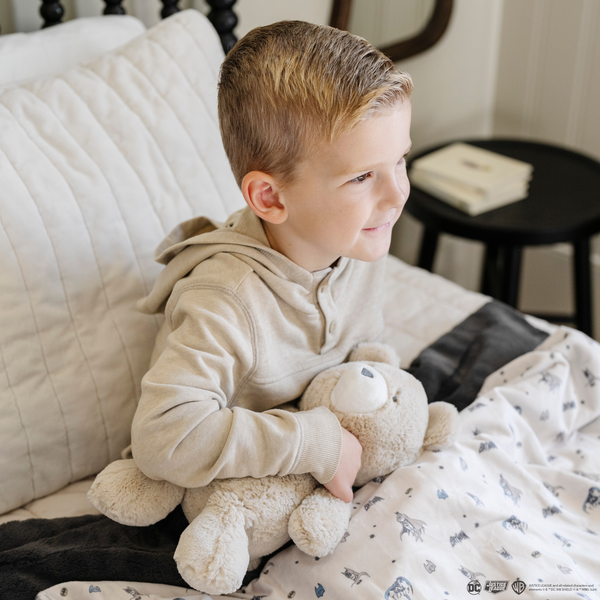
(318,524)
(212,554)
(125,495)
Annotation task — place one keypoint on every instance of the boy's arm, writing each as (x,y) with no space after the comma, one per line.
(184,430)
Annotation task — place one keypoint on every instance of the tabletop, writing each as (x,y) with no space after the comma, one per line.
(563,204)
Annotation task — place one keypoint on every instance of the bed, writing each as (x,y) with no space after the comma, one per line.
(97,162)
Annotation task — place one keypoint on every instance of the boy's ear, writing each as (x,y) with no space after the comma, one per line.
(262,194)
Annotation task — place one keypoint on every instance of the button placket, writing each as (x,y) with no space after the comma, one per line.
(329,313)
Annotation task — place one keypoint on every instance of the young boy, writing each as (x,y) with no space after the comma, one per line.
(315,122)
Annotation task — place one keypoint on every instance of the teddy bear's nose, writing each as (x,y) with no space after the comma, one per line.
(360,389)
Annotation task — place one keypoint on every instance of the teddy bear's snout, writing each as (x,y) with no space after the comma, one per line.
(360,389)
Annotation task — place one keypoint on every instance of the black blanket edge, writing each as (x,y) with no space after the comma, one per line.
(454,367)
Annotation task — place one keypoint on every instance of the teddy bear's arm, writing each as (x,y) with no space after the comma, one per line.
(318,524)
(443,427)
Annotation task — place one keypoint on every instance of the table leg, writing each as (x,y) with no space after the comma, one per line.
(583,286)
(429,243)
(511,275)
(489,275)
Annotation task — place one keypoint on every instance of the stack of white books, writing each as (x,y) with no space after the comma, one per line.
(472,179)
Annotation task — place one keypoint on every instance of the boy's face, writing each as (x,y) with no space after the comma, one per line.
(348,195)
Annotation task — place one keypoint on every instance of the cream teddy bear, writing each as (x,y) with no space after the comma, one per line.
(235,522)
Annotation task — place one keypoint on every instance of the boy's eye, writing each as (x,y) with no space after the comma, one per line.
(361,178)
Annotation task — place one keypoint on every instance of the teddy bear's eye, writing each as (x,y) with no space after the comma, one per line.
(395,398)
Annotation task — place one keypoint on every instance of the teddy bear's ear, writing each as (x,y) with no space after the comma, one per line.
(375,353)
(442,430)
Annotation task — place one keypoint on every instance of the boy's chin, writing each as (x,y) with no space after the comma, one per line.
(372,255)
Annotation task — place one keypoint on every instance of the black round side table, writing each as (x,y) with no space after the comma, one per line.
(563,205)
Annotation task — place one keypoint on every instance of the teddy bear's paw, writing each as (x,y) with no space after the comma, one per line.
(212,554)
(318,524)
(124,494)
(443,428)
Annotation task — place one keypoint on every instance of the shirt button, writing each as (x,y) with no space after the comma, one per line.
(332,327)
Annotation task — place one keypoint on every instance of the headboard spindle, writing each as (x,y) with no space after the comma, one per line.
(169,8)
(113,7)
(52,12)
(224,21)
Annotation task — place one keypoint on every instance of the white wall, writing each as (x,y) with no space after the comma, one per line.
(549,75)
(385,22)
(252,13)
(453,98)
(549,90)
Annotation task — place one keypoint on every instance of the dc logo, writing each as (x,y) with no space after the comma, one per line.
(474,587)
(518,586)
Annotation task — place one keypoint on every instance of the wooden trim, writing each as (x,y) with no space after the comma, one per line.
(340,14)
(425,39)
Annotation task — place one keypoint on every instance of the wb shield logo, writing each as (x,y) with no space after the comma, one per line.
(474,587)
(518,587)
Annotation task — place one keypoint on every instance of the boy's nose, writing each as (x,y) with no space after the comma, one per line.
(395,193)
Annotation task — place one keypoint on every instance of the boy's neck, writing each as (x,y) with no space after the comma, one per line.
(304,257)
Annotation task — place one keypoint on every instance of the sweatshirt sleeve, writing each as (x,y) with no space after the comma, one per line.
(187,429)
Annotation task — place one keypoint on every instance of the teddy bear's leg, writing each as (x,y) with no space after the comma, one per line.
(318,524)
(212,554)
(124,494)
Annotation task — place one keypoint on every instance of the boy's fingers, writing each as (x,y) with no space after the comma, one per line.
(343,492)
(346,495)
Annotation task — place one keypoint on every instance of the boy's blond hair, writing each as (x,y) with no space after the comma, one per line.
(287,87)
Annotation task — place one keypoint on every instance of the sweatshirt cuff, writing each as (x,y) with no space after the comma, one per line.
(320,444)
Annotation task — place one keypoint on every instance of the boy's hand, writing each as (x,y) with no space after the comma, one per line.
(341,484)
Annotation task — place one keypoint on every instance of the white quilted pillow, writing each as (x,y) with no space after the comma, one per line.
(97,164)
(25,56)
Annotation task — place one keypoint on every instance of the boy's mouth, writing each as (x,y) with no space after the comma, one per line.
(378,228)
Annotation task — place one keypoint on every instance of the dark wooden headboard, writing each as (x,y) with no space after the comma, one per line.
(221,15)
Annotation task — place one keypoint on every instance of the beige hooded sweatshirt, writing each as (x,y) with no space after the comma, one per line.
(245,331)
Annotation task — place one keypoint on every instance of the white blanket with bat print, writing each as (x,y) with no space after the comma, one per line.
(512,507)
(518,497)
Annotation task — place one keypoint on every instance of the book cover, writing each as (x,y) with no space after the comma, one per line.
(480,171)
(468,201)
(466,192)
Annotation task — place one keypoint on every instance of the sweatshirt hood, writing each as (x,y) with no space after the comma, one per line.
(200,238)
